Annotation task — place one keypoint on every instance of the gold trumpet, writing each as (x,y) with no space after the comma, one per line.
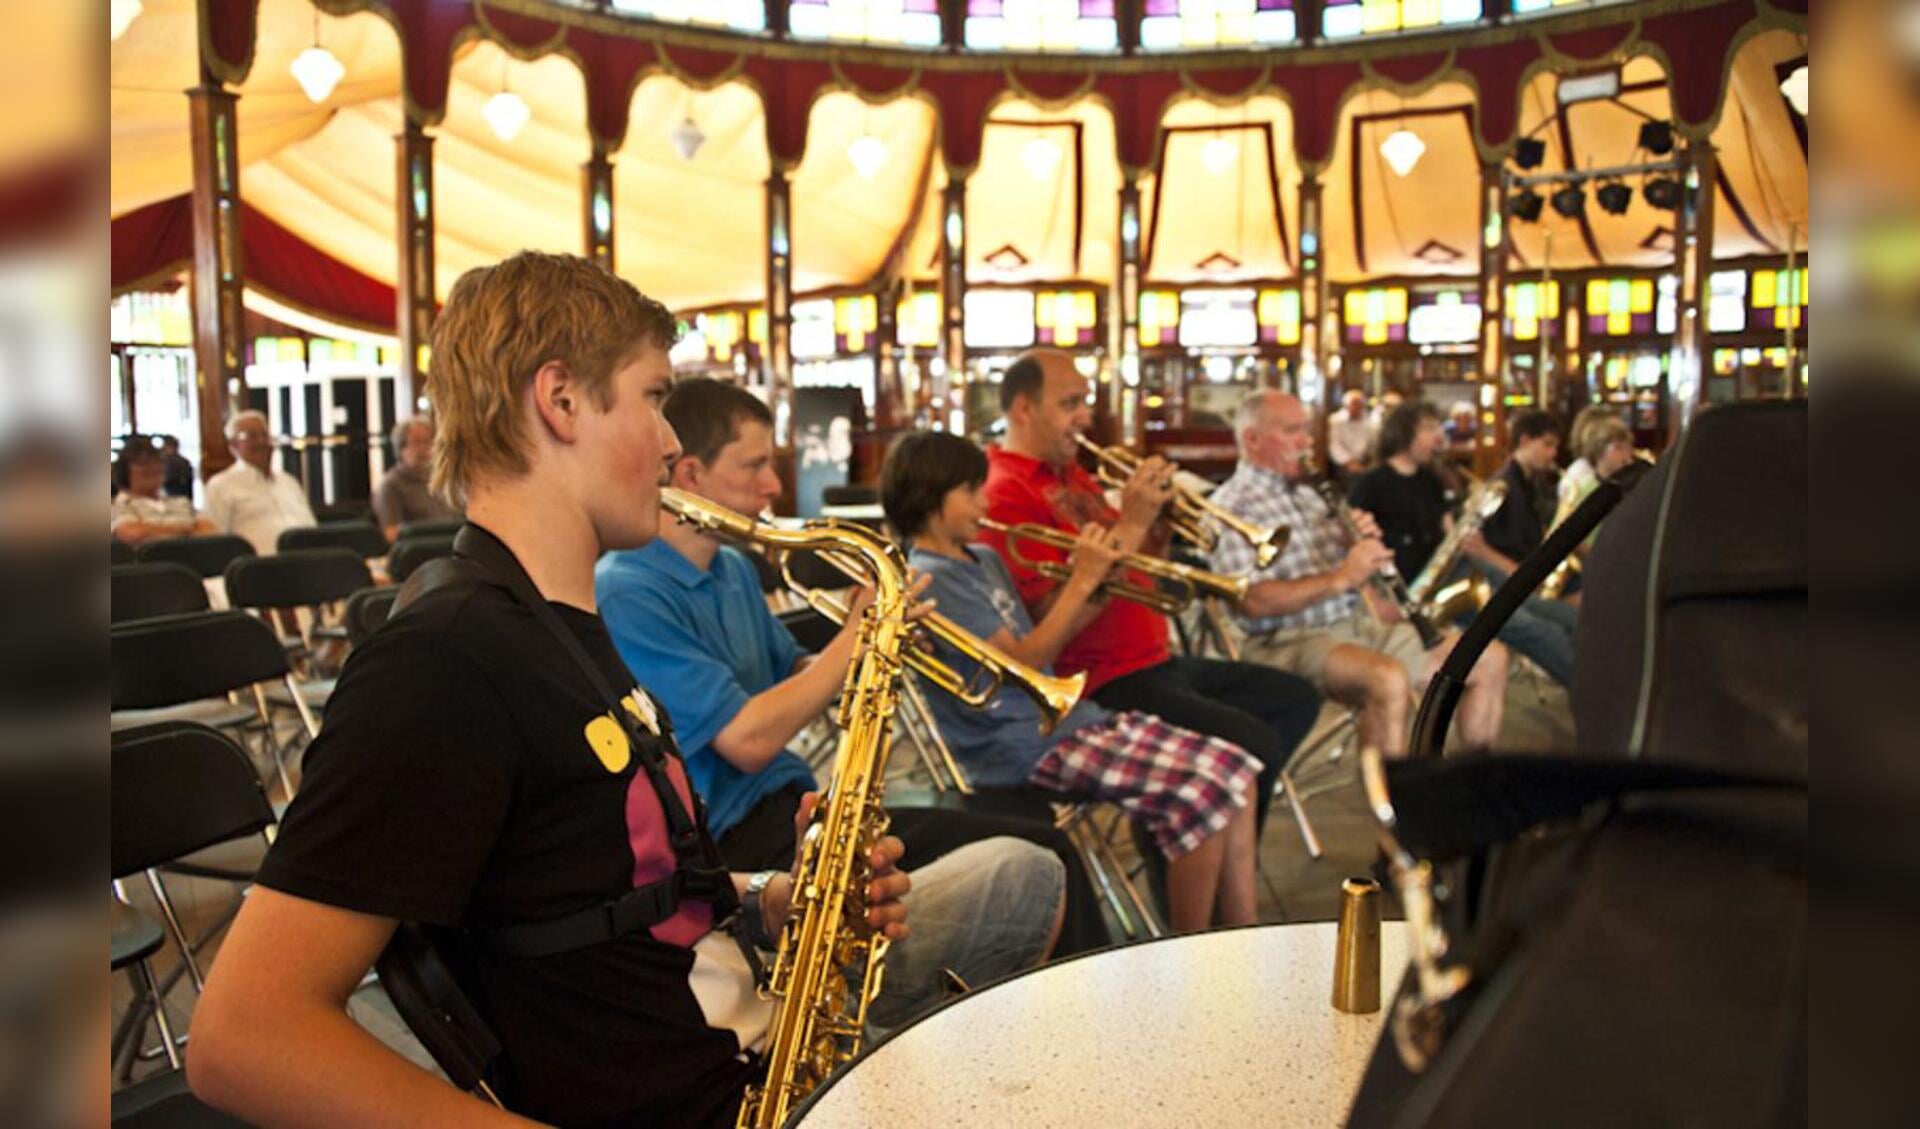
(1053,694)
(1189,510)
(1188,583)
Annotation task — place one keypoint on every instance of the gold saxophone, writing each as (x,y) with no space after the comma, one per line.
(1444,605)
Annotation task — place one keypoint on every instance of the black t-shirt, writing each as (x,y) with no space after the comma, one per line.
(1521,522)
(1411,510)
(469,775)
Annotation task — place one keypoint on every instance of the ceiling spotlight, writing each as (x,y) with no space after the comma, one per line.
(1403,150)
(1041,156)
(1656,137)
(1528,152)
(1614,198)
(1570,200)
(1662,192)
(1795,89)
(507,113)
(868,154)
(1525,205)
(1218,155)
(121,13)
(687,138)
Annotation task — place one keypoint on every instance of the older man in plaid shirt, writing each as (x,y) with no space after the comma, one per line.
(1306,612)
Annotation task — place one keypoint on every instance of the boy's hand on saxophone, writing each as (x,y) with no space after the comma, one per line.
(886,909)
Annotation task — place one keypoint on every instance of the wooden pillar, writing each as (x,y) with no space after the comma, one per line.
(219,354)
(1123,390)
(1693,253)
(953,298)
(1495,247)
(1316,316)
(414,286)
(889,396)
(596,192)
(1307,21)
(778,357)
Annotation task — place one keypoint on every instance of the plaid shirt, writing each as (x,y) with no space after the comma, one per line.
(1317,545)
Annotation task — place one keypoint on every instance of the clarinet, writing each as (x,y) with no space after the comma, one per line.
(1387,582)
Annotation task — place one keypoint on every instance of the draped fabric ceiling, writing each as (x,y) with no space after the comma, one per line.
(1220,150)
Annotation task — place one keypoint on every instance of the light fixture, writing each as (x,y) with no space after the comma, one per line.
(1662,192)
(1570,200)
(315,69)
(1528,152)
(1794,87)
(868,155)
(1403,150)
(1614,198)
(687,138)
(120,14)
(506,111)
(1041,156)
(1656,137)
(1218,155)
(1525,205)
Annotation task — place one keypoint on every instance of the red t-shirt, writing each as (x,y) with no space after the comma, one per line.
(1125,636)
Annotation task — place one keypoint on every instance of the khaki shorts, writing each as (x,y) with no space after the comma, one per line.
(1303,651)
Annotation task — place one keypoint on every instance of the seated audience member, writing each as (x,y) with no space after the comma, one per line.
(1602,446)
(689,619)
(179,481)
(403,494)
(1190,791)
(1350,435)
(253,498)
(1307,611)
(489,768)
(1034,477)
(140,512)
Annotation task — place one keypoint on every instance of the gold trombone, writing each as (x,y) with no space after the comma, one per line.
(1187,583)
(1189,510)
(1053,694)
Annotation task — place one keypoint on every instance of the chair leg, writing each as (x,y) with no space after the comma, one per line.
(179,934)
(160,1019)
(1103,847)
(1109,894)
(273,742)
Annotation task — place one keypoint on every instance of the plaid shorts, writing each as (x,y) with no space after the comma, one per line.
(1184,786)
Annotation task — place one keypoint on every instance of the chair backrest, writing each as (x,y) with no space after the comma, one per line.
(1694,627)
(422,987)
(142,591)
(183,658)
(850,494)
(362,537)
(178,787)
(122,553)
(208,555)
(437,527)
(296,579)
(410,553)
(367,611)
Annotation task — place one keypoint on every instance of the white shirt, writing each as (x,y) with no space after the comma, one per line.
(257,506)
(1349,439)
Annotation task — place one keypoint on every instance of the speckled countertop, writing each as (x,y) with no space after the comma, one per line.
(1230,1028)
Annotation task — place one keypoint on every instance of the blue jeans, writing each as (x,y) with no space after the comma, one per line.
(1540,629)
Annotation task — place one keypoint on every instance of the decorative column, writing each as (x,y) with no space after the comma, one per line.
(1123,388)
(1307,21)
(1693,256)
(889,397)
(1316,316)
(953,298)
(414,286)
(778,357)
(1494,252)
(219,362)
(596,191)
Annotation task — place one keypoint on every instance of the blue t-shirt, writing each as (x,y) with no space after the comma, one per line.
(998,745)
(702,642)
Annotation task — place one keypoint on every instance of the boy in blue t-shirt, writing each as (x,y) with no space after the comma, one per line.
(1193,793)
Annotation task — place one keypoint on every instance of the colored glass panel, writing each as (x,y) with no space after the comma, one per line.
(1621,307)
(1376,315)
(1541,7)
(1278,312)
(1041,25)
(1342,19)
(1185,25)
(740,15)
(1159,317)
(854,320)
(917,320)
(1066,318)
(912,23)
(1530,305)
(1779,298)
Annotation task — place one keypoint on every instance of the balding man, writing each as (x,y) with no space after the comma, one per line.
(251,498)
(1304,612)
(404,494)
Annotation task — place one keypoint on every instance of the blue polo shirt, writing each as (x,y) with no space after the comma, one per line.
(702,642)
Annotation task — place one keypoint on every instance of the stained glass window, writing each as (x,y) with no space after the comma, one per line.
(740,15)
(1179,25)
(999,319)
(1538,7)
(917,320)
(915,23)
(1778,298)
(1444,317)
(1529,305)
(1620,307)
(1042,25)
(1159,317)
(1375,315)
(1278,313)
(1346,18)
(1066,318)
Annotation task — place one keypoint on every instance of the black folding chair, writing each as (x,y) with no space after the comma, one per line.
(165,1102)
(367,612)
(363,538)
(410,553)
(172,661)
(208,555)
(122,553)
(423,990)
(142,591)
(438,527)
(310,579)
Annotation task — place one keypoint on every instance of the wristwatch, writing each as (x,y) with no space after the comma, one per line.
(756,917)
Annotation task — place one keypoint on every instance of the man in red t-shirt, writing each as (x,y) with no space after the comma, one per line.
(1034,477)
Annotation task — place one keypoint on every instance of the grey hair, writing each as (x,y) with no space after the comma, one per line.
(1251,413)
(238,418)
(399,436)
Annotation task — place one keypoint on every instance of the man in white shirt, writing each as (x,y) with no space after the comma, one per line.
(251,498)
(1350,435)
